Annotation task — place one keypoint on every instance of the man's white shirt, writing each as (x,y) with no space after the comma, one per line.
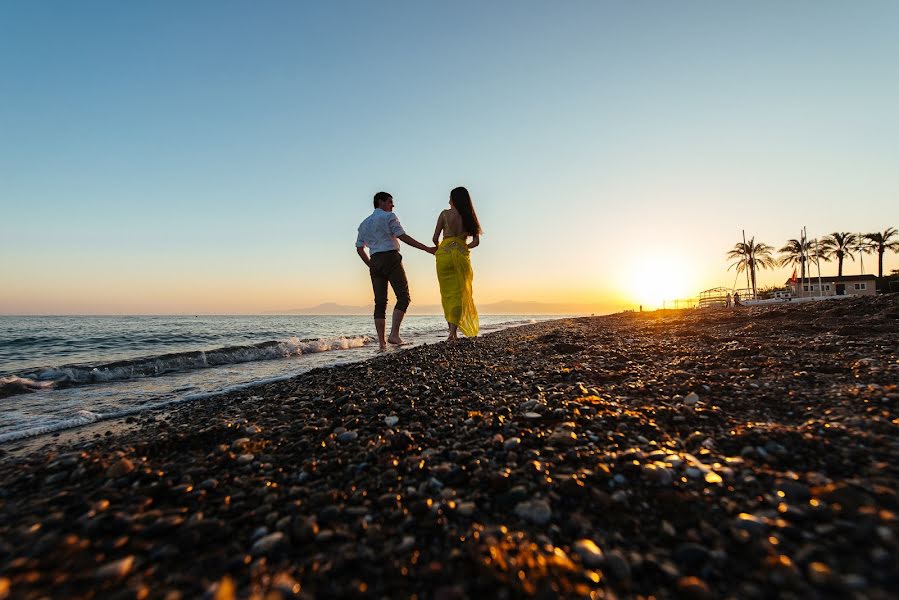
(378,232)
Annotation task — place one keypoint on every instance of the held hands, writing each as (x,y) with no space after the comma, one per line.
(431,249)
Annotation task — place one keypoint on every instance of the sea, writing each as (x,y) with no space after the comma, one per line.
(60,372)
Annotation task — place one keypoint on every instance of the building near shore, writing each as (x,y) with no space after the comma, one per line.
(844,285)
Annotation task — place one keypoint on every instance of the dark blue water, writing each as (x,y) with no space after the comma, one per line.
(62,372)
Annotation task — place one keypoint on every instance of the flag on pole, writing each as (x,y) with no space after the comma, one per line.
(793,277)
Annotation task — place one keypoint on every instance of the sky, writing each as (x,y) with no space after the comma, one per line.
(217,157)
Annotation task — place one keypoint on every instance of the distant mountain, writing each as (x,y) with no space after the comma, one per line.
(505,307)
(327,308)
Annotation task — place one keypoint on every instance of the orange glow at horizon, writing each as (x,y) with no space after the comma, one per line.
(654,281)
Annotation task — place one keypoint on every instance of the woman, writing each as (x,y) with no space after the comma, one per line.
(458,223)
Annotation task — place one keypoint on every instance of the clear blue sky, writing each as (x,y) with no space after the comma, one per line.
(161,157)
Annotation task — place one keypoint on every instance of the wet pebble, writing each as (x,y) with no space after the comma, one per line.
(511,443)
(267,544)
(534,511)
(693,588)
(347,436)
(590,553)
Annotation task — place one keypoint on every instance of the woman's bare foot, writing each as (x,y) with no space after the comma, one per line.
(382,347)
(395,340)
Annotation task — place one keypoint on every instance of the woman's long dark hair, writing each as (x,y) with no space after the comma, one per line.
(462,201)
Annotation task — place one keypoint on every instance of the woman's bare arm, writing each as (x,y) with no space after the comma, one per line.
(438,229)
(475,241)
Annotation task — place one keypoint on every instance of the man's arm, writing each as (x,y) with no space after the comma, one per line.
(363,256)
(416,244)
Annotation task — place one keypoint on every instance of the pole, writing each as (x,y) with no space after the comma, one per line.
(802,249)
(748,258)
(861,252)
(818,264)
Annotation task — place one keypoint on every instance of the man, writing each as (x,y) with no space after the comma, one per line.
(379,233)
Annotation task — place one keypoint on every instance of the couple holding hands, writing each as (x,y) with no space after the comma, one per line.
(380,233)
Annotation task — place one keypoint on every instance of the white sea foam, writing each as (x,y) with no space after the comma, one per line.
(174,363)
(86,417)
(82,417)
(118,376)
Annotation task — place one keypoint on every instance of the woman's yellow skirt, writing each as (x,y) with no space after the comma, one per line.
(455,276)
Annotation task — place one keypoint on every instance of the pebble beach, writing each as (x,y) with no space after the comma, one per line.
(748,453)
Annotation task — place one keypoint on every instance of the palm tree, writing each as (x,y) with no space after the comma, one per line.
(883,242)
(839,245)
(817,254)
(862,246)
(752,256)
(795,253)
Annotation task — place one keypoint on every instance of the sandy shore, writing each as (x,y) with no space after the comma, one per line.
(701,454)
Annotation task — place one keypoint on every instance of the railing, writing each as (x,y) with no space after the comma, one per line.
(678,303)
(713,298)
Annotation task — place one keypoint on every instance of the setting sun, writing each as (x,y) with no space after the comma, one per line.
(656,281)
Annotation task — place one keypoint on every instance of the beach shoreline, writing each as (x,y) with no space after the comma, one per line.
(679,453)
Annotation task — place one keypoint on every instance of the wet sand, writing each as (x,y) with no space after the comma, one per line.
(750,453)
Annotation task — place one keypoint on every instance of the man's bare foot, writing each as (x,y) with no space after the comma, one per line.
(382,346)
(396,341)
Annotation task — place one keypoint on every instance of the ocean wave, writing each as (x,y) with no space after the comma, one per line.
(86,417)
(72,375)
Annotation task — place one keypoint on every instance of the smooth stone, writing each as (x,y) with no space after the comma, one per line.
(535,511)
(773,447)
(56,478)
(245,459)
(511,443)
(391,420)
(691,556)
(819,573)
(750,524)
(854,581)
(618,566)
(691,399)
(347,436)
(793,490)
(116,569)
(563,438)
(466,509)
(589,552)
(267,544)
(122,467)
(694,588)
(240,444)
(620,497)
(407,543)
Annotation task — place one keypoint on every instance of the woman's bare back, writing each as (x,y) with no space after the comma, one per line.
(452,224)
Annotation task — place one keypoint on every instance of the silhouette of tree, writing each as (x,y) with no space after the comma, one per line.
(881,242)
(839,245)
(752,256)
(795,253)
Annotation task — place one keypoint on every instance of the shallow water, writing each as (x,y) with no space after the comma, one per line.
(63,372)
